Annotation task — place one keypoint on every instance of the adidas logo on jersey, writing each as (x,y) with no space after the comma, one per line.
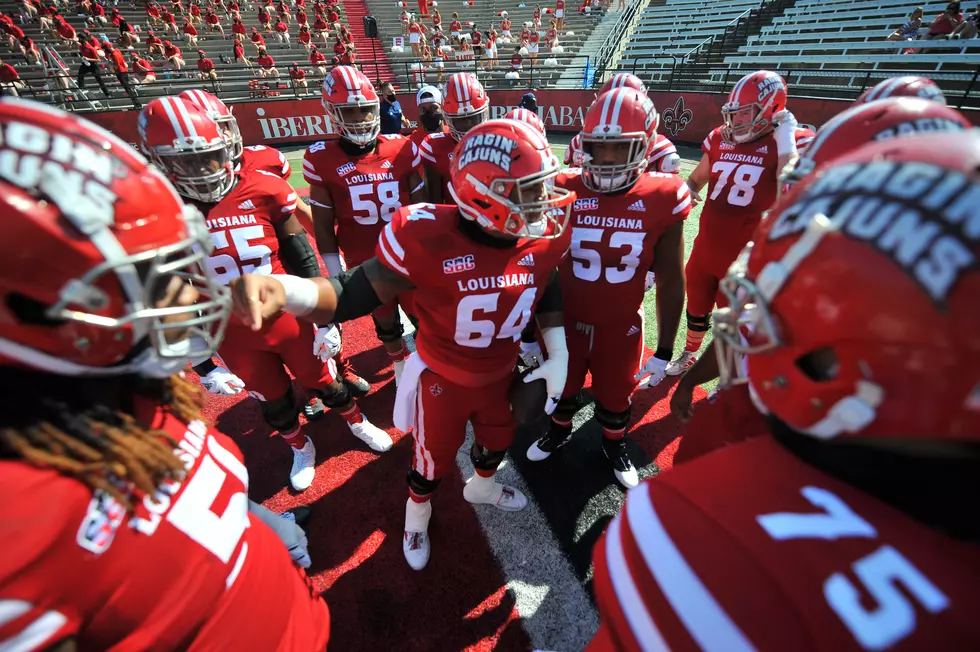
(587,204)
(346,168)
(763,150)
(386,165)
(526,261)
(632,331)
(246,205)
(637,206)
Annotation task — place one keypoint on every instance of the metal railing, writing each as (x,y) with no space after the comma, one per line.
(617,39)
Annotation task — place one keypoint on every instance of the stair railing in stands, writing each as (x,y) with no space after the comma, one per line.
(616,40)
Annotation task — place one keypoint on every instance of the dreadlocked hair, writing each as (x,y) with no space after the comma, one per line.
(85,429)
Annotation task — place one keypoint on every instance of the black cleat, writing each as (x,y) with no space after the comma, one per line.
(556,437)
(355,384)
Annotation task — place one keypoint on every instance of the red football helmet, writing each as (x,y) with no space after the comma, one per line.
(465,104)
(855,308)
(94,235)
(185,142)
(623,80)
(626,119)
(907,86)
(524,115)
(221,114)
(573,154)
(352,104)
(503,177)
(751,105)
(879,120)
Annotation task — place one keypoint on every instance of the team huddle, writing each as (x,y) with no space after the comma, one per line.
(836,271)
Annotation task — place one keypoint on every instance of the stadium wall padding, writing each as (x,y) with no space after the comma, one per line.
(685,117)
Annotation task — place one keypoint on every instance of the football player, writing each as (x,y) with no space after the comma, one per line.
(624,221)
(742,161)
(480,270)
(904,86)
(219,380)
(530,117)
(254,230)
(844,527)
(358,181)
(464,106)
(723,420)
(148,539)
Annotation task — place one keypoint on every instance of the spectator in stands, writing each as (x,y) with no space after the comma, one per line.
(969,27)
(238,50)
(127,35)
(345,35)
(349,57)
(264,20)
(29,49)
(431,119)
(536,18)
(213,22)
(177,6)
(909,31)
(257,40)
(91,65)
(238,29)
(234,10)
(142,69)
(945,23)
(305,38)
(267,65)
(423,8)
(560,14)
(454,29)
(173,55)
(10,81)
(122,71)
(532,45)
(46,21)
(153,13)
(153,44)
(404,18)
(333,21)
(282,33)
(338,46)
(320,30)
(436,20)
(318,61)
(30,11)
(98,13)
(169,23)
(516,61)
(14,35)
(301,19)
(205,67)
(439,59)
(195,12)
(282,11)
(491,48)
(190,33)
(298,76)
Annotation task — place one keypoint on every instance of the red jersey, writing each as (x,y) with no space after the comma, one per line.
(243,225)
(419,133)
(472,300)
(725,417)
(664,157)
(366,191)
(267,159)
(189,568)
(774,554)
(436,152)
(613,238)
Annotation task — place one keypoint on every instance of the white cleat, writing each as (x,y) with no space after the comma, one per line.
(371,435)
(484,491)
(684,362)
(399,365)
(304,466)
(415,542)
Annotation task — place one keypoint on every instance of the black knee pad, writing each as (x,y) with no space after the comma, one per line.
(281,413)
(698,323)
(335,399)
(421,485)
(612,420)
(391,333)
(565,409)
(486,459)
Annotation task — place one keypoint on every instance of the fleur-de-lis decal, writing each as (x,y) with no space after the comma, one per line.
(676,118)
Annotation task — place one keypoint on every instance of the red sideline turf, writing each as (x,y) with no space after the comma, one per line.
(376,601)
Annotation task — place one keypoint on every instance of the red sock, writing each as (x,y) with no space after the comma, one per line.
(352,414)
(694,339)
(294,437)
(613,435)
(485,473)
(416,498)
(399,355)
(563,424)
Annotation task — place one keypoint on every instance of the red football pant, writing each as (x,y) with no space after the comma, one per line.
(612,352)
(705,268)
(259,359)
(442,409)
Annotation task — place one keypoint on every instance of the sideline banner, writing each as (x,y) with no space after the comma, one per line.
(684,117)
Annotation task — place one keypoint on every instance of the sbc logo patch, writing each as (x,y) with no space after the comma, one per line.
(458,264)
(588,204)
(345,169)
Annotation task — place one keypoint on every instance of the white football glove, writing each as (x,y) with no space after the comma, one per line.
(785,132)
(222,382)
(652,373)
(554,370)
(326,343)
(649,282)
(531,354)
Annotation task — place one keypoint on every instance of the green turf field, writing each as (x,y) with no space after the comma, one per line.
(689,157)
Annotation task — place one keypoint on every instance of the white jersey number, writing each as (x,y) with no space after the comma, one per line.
(587,262)
(743,177)
(368,204)
(885,575)
(479,333)
(225,266)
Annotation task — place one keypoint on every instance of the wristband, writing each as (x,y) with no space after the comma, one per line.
(302,294)
(334,266)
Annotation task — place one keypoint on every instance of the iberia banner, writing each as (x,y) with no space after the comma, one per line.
(684,117)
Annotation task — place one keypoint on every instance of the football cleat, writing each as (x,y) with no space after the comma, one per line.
(484,491)
(304,466)
(415,541)
(297,515)
(556,437)
(314,409)
(355,384)
(683,362)
(371,435)
(625,472)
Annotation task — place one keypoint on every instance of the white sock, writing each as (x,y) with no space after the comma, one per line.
(483,488)
(417,516)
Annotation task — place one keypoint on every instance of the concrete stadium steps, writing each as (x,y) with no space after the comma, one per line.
(370,52)
(573,76)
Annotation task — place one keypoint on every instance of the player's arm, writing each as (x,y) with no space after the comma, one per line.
(549,315)
(433,185)
(668,267)
(297,255)
(417,187)
(304,211)
(786,149)
(348,295)
(323,223)
(699,178)
(703,371)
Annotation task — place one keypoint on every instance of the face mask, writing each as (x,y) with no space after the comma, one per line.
(431,120)
(390,98)
(537,228)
